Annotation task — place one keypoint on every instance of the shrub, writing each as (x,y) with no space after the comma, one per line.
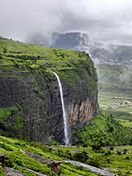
(95,162)
(53,142)
(81,156)
(119,152)
(108,153)
(96,147)
(125,151)
(111,148)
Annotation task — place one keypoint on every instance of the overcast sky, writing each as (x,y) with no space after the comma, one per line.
(106,20)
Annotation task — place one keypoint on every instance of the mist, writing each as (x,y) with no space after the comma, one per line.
(104,20)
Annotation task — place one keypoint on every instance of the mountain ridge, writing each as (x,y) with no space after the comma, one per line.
(100,52)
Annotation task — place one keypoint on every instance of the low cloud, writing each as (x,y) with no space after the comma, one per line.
(100,19)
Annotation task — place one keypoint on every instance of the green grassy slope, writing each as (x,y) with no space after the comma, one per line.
(103,130)
(15,151)
(17,55)
(116,159)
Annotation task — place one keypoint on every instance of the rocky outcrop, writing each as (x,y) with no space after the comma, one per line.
(81,112)
(30,104)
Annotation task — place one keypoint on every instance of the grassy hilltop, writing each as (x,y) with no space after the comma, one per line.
(17,55)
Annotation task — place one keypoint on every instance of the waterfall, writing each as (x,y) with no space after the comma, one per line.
(66,135)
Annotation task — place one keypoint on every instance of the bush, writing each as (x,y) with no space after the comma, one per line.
(95,162)
(81,156)
(8,162)
(111,148)
(108,153)
(54,142)
(119,152)
(96,147)
(125,151)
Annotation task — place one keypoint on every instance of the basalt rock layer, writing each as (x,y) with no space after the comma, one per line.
(30,105)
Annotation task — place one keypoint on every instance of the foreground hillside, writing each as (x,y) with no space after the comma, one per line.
(91,157)
(32,159)
(30,105)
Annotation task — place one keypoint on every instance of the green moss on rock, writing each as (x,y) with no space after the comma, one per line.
(11,121)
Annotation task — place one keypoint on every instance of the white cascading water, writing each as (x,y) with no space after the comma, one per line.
(66,135)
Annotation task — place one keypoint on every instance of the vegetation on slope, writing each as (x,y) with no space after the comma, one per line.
(103,130)
(25,57)
(16,152)
(117,159)
(11,119)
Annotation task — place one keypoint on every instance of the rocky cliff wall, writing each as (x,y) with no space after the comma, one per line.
(30,105)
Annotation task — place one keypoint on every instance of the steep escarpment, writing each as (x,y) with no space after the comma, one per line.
(30,104)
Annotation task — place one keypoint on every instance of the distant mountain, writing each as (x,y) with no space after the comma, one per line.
(73,40)
(100,53)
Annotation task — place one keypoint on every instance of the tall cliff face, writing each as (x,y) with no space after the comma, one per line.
(30,105)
